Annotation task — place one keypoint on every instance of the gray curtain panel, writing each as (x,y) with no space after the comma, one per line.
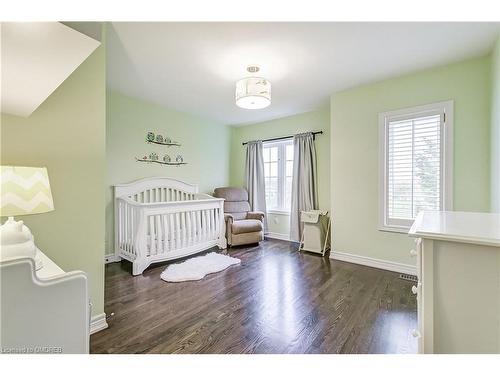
(255,176)
(304,181)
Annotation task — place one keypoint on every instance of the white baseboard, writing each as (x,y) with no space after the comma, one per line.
(111,258)
(278,236)
(373,262)
(98,323)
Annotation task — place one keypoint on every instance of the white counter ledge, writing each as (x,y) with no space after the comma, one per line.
(469,227)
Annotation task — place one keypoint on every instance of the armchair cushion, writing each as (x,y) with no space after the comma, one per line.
(256,215)
(237,209)
(246,226)
(231,194)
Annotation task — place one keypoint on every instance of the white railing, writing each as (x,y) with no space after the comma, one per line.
(160,223)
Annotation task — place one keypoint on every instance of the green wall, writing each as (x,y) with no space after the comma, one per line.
(495,128)
(304,122)
(205,147)
(354,151)
(66,135)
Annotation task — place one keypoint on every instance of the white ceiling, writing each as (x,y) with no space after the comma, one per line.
(192,67)
(36,58)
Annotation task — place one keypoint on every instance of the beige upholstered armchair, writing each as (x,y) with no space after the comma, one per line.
(242,225)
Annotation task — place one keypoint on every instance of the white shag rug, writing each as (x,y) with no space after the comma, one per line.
(197,268)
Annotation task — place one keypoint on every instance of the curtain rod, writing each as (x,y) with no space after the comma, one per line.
(287,137)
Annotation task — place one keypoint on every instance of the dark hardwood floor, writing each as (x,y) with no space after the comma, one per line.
(277,301)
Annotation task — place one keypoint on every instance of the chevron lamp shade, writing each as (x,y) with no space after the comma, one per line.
(24,191)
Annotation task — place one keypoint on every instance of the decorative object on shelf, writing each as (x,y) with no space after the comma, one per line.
(153,158)
(179,159)
(25,191)
(253,92)
(160,140)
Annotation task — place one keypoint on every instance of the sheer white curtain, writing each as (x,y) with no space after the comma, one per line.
(304,181)
(255,176)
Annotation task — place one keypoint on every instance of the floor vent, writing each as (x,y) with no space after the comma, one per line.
(407,277)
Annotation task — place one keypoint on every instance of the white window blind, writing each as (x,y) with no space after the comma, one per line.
(414,165)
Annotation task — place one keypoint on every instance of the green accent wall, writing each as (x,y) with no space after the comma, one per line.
(66,135)
(354,151)
(205,147)
(495,128)
(304,122)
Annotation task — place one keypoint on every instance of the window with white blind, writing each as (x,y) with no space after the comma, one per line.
(416,151)
(278,169)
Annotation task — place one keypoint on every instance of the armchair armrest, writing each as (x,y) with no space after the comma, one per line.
(228,220)
(256,215)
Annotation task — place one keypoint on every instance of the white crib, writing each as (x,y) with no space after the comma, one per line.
(159,218)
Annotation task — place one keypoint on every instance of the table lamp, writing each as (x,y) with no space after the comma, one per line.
(24,191)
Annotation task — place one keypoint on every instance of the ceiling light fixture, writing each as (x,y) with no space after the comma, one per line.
(253,92)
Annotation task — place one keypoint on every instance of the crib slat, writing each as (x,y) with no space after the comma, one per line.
(200,227)
(170,231)
(193,226)
(217,223)
(159,235)
(207,224)
(165,232)
(133,222)
(119,225)
(125,227)
(203,226)
(194,230)
(172,234)
(152,247)
(211,221)
(214,216)
(177,231)
(197,226)
(212,224)
(183,229)
(189,229)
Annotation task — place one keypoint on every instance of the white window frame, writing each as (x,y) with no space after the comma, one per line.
(281,210)
(445,109)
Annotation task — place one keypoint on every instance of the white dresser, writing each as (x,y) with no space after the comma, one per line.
(45,310)
(458,293)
